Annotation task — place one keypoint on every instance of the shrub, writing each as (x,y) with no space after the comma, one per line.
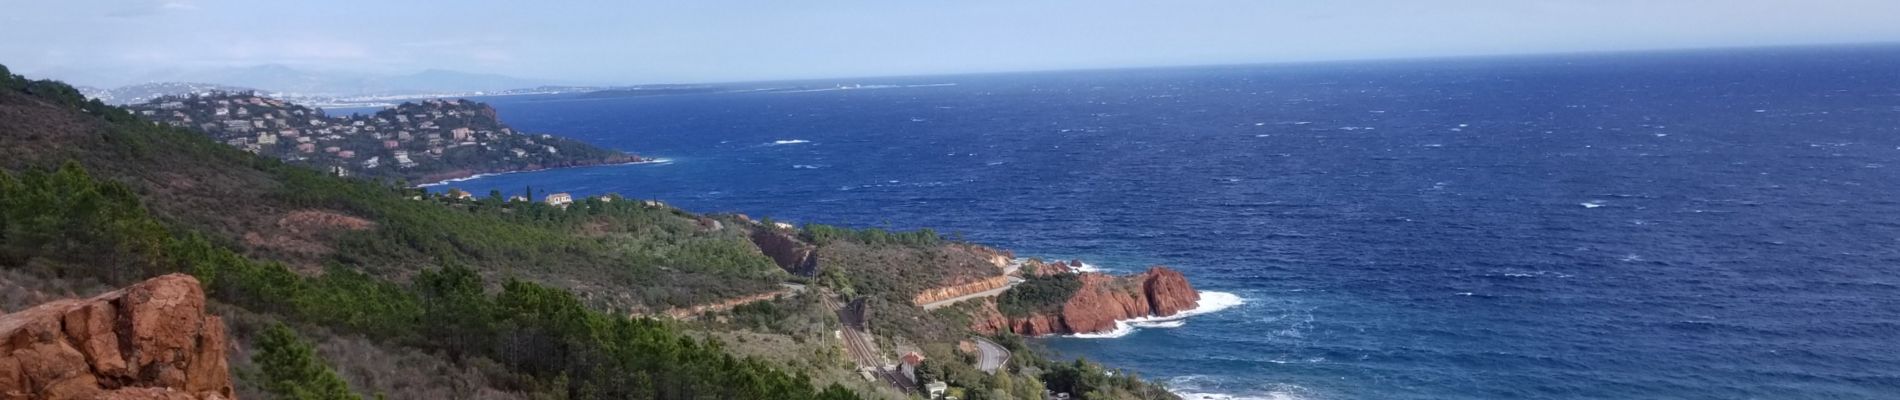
(1043,294)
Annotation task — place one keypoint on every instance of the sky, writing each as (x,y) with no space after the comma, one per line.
(641,41)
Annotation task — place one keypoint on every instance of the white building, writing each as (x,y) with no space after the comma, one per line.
(936,389)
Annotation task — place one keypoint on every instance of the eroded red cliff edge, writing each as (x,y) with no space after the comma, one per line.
(1102,300)
(151,340)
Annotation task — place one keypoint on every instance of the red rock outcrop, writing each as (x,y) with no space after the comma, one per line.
(1102,300)
(152,340)
(1168,291)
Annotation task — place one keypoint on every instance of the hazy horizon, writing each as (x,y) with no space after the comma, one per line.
(110,43)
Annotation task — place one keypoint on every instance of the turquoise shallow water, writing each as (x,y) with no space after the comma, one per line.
(1711,225)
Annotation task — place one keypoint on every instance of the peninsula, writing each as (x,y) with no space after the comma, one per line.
(430,141)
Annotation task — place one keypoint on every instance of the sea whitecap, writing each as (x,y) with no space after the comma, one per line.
(1221,396)
(1121,329)
(1591,204)
(1228,397)
(1202,387)
(789,141)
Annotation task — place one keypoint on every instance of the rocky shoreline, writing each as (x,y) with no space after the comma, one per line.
(1099,305)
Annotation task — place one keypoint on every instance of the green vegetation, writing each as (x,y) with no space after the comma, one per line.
(821,235)
(1039,294)
(1088,380)
(291,370)
(65,214)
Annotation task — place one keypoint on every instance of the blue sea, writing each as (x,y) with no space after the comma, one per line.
(1689,225)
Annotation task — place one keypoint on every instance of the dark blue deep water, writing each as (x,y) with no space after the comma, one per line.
(1702,225)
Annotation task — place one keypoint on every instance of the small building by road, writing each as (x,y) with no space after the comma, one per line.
(909,365)
(936,389)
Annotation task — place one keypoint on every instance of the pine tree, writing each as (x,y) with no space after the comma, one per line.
(291,370)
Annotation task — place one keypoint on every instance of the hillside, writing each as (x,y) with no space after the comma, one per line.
(93,196)
(394,291)
(421,142)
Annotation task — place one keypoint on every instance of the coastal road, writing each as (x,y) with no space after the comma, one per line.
(990,356)
(1013,281)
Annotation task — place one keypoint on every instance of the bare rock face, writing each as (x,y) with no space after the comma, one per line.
(1168,291)
(723,305)
(148,341)
(998,257)
(1046,268)
(1102,300)
(793,255)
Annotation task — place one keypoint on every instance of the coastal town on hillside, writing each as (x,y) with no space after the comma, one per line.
(426,141)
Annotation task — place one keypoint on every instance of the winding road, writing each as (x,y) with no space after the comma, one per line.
(990,356)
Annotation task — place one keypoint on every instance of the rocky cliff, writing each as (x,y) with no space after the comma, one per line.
(998,257)
(793,255)
(152,340)
(1101,301)
(1044,268)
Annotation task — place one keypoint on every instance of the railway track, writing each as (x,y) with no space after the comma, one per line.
(857,344)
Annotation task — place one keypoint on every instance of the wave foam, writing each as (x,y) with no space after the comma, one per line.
(789,141)
(1122,328)
(492,174)
(1201,387)
(1211,301)
(1160,324)
(462,179)
(1218,396)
